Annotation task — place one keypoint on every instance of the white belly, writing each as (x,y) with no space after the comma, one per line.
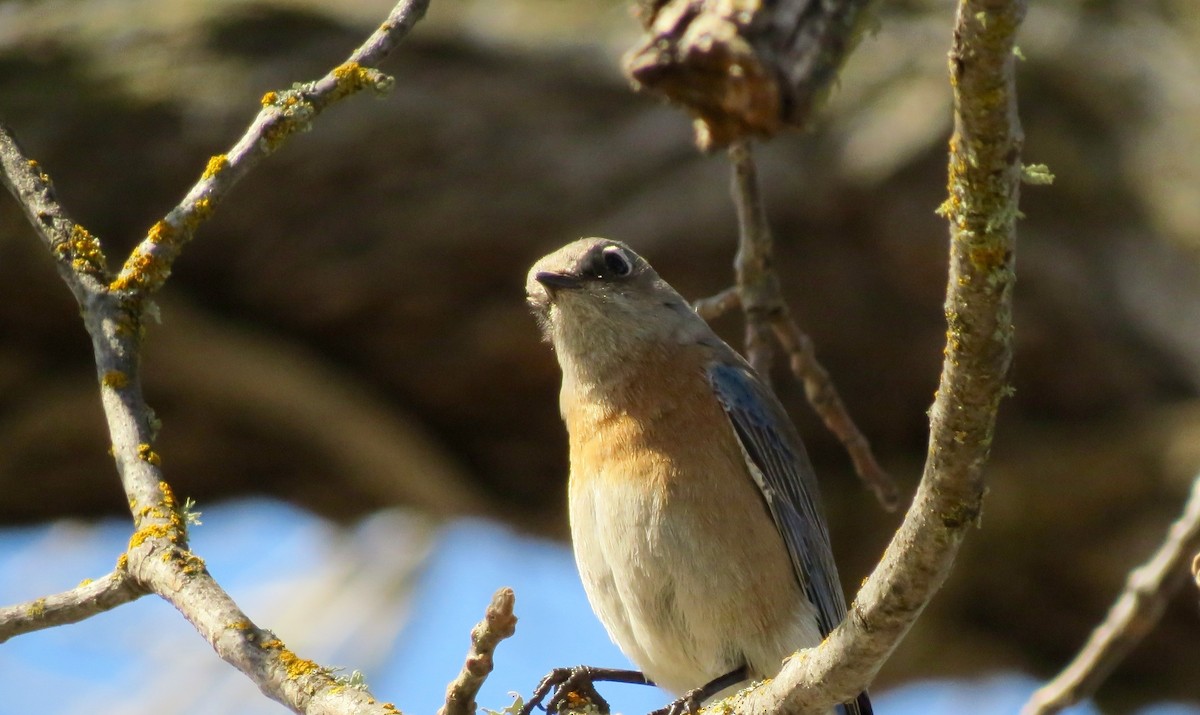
(683,616)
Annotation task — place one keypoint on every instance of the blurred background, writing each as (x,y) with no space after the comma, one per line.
(352,390)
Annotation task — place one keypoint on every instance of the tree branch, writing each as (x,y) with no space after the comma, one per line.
(984,181)
(715,306)
(283,114)
(744,68)
(84,601)
(158,559)
(498,623)
(758,292)
(1131,617)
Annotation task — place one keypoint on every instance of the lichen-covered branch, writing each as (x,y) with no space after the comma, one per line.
(84,601)
(1132,616)
(758,293)
(984,181)
(498,623)
(283,113)
(159,559)
(76,252)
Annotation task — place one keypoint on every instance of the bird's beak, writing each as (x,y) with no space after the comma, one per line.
(556,281)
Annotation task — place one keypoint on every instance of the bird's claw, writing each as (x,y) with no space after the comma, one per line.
(573,690)
(686,705)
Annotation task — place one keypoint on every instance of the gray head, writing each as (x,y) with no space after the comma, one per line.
(598,301)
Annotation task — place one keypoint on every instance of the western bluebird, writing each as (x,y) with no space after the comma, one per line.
(695,518)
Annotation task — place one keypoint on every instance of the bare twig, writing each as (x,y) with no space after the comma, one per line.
(283,113)
(824,398)
(984,181)
(158,559)
(1196,569)
(715,306)
(1131,617)
(757,283)
(762,301)
(84,601)
(498,623)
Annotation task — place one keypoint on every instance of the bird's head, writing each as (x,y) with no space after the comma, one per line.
(597,300)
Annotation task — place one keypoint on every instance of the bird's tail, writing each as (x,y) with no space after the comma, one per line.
(859,706)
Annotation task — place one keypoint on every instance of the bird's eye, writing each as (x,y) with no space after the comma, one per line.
(615,262)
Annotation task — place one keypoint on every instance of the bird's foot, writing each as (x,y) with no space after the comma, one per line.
(686,705)
(691,700)
(574,688)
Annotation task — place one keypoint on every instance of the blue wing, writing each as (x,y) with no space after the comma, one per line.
(785,477)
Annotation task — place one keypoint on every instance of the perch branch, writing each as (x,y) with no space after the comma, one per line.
(759,294)
(1132,615)
(158,559)
(84,601)
(984,182)
(283,114)
(498,623)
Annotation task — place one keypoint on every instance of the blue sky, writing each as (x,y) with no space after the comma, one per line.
(338,595)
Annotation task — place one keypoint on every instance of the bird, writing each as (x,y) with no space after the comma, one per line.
(695,518)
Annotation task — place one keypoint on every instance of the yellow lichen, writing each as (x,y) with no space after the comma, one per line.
(273,644)
(216,165)
(147,454)
(350,75)
(201,210)
(84,249)
(84,582)
(167,494)
(41,174)
(296,666)
(143,270)
(150,531)
(193,564)
(36,609)
(161,232)
(115,379)
(122,562)
(269,98)
(240,625)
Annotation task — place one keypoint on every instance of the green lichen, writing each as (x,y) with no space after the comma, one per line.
(1036,174)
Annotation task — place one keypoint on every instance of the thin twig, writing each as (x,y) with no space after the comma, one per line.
(762,301)
(498,623)
(984,182)
(283,114)
(158,559)
(84,601)
(827,403)
(757,283)
(1131,617)
(717,305)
